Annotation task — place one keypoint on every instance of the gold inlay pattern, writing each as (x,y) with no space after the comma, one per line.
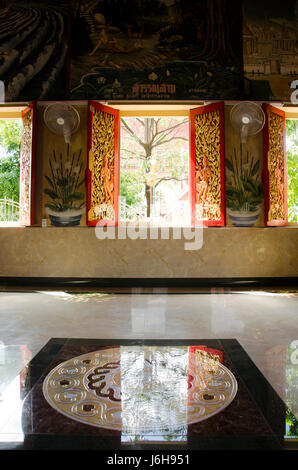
(126,388)
(25,167)
(101,164)
(207,155)
(276,167)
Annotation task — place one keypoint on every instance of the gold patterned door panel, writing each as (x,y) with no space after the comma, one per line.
(274,171)
(27,165)
(207,165)
(103,165)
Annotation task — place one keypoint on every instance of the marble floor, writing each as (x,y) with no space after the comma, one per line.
(265,323)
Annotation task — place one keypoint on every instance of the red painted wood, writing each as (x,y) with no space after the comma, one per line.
(192,176)
(88,174)
(265,172)
(29,219)
(192,165)
(115,112)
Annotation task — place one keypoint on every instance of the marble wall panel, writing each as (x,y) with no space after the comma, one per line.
(77,252)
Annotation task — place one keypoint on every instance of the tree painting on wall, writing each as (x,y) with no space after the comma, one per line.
(157,49)
(34,49)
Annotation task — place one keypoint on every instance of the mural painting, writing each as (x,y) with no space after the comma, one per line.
(157,49)
(34,49)
(244,191)
(64,189)
(270,46)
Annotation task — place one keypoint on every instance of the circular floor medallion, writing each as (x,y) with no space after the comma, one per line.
(134,388)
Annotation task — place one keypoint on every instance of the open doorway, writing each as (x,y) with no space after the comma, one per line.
(154,169)
(292,169)
(10,148)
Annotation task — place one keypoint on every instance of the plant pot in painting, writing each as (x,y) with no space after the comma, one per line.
(243,218)
(67,218)
(244,189)
(64,182)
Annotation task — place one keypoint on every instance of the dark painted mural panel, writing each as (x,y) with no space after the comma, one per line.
(34,49)
(270,46)
(148,49)
(156,49)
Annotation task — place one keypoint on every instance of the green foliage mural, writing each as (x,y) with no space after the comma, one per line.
(244,189)
(65,189)
(64,183)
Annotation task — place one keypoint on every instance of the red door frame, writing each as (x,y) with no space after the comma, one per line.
(219,106)
(265,173)
(115,112)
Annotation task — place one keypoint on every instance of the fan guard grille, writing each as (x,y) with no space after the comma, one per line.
(62,119)
(248,118)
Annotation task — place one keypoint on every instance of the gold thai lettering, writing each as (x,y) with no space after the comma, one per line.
(154,88)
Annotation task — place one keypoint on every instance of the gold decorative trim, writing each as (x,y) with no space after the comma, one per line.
(25,167)
(276,167)
(91,215)
(91,160)
(102,161)
(208,170)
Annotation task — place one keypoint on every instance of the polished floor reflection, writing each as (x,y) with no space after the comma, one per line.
(254,326)
(73,395)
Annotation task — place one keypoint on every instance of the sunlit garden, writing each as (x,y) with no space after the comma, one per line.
(292,168)
(10,143)
(154,154)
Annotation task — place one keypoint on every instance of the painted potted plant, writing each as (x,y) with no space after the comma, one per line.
(244,190)
(65,181)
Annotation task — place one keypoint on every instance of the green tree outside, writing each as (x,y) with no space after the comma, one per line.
(154,152)
(292,168)
(10,146)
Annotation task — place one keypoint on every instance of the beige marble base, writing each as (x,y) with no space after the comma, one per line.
(77,252)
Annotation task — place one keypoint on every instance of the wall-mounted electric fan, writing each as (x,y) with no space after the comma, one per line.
(247,118)
(62,119)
